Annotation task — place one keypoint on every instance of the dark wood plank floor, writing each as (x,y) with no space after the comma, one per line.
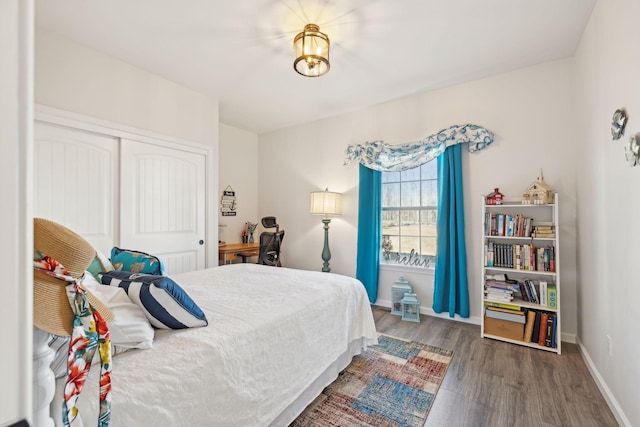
(492,383)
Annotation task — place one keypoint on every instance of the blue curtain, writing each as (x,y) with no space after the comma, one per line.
(451,292)
(369,206)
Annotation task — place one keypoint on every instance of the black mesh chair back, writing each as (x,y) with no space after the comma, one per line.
(270,244)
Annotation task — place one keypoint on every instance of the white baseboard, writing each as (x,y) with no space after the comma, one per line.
(429,312)
(604,389)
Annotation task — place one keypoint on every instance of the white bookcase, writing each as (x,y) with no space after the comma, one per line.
(504,260)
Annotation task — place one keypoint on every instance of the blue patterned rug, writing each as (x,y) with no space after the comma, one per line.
(391,384)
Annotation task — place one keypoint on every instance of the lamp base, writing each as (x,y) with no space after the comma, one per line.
(326,253)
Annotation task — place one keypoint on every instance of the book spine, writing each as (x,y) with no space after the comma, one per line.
(549,337)
(552,296)
(555,332)
(544,318)
(528,327)
(501,305)
(543,293)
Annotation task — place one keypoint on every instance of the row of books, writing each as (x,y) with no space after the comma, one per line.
(537,292)
(543,293)
(540,327)
(520,257)
(496,224)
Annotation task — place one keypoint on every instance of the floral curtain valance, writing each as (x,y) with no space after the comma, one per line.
(378,155)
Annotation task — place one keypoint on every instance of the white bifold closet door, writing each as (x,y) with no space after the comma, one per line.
(162,203)
(75,181)
(120,192)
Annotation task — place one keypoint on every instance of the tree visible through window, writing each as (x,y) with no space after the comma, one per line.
(409,213)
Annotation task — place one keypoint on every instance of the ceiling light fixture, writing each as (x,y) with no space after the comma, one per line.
(312,52)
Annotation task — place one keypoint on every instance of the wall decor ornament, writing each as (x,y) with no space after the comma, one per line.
(228,202)
(632,151)
(618,123)
(538,193)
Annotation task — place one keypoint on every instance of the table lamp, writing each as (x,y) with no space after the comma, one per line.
(328,204)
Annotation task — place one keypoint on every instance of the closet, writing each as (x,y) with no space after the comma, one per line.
(121,188)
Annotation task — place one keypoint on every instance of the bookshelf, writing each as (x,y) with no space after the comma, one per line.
(521,274)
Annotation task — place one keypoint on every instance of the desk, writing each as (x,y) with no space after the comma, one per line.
(227,253)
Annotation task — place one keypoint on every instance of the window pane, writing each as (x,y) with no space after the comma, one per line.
(409,243)
(429,193)
(430,170)
(391,222)
(410,222)
(428,224)
(411,193)
(428,246)
(390,195)
(390,177)
(410,175)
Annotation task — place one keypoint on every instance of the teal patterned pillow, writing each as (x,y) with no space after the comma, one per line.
(136,262)
(100,264)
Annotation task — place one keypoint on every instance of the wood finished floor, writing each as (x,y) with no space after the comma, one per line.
(492,383)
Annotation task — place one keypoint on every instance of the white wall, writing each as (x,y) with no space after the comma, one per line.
(16,227)
(239,169)
(608,203)
(78,79)
(530,112)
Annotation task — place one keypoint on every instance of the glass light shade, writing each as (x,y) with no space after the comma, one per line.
(325,203)
(311,48)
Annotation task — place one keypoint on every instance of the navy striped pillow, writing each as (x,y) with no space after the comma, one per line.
(163,301)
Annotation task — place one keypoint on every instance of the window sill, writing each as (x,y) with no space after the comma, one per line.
(406,268)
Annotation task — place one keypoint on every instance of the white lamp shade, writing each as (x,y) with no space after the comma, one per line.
(325,203)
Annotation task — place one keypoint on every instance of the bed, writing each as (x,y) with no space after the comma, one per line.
(275,338)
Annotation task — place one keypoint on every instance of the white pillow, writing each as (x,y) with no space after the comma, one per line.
(129,327)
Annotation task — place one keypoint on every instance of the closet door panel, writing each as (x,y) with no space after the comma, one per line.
(75,171)
(162,201)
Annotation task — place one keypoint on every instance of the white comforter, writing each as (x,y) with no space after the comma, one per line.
(271,332)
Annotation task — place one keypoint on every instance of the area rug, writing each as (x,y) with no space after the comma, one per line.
(393,383)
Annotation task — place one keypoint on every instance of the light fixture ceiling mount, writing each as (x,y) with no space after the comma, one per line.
(311,48)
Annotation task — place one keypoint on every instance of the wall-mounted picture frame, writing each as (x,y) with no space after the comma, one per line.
(228,202)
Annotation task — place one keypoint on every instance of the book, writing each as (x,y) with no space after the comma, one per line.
(528,327)
(544,319)
(535,334)
(543,293)
(509,225)
(552,296)
(548,338)
(500,225)
(501,305)
(555,331)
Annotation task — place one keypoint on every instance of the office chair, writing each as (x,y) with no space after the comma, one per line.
(270,243)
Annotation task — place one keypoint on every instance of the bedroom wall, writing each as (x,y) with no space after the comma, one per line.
(530,112)
(239,169)
(75,78)
(608,205)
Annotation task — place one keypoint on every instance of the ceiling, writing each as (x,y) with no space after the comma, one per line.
(241,52)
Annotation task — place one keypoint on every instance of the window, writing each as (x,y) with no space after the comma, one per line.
(409,213)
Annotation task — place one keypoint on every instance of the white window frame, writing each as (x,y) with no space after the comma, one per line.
(409,259)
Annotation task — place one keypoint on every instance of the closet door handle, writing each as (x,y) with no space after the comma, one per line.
(201,242)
